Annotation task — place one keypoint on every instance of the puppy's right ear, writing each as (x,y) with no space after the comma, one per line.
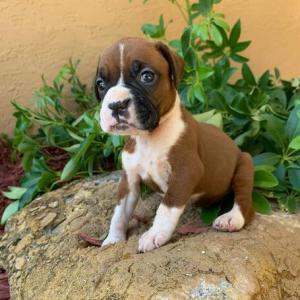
(95,85)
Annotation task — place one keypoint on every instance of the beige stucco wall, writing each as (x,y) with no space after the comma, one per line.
(38,36)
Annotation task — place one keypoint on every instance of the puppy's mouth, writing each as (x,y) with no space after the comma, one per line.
(138,118)
(122,126)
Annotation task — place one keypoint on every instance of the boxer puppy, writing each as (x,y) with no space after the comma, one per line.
(137,81)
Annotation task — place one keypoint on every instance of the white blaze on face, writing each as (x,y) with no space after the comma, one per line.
(117,93)
(114,94)
(121,79)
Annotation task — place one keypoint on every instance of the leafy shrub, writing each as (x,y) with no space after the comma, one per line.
(262,115)
(56,144)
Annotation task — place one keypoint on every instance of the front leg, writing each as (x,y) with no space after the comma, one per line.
(164,224)
(180,188)
(128,193)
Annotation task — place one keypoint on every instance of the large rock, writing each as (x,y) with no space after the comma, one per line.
(46,260)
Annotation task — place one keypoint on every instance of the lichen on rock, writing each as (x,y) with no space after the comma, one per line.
(46,259)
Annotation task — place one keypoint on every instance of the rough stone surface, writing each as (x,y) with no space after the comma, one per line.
(46,260)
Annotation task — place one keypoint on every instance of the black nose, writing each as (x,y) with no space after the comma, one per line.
(119,109)
(118,106)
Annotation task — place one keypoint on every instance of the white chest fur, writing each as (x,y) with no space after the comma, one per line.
(150,157)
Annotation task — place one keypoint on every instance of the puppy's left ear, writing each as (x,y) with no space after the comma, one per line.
(176,63)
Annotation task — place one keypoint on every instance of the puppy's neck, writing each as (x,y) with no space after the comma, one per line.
(170,127)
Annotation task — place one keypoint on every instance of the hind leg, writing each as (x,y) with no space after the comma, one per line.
(242,212)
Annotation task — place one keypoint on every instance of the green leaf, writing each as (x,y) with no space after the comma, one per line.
(73,149)
(91,160)
(73,165)
(210,117)
(203,117)
(39,165)
(241,106)
(294,101)
(88,120)
(75,136)
(292,204)
(227,74)
(216,35)
(198,93)
(216,120)
(30,178)
(277,73)
(116,140)
(190,58)
(176,44)
(15,192)
(155,31)
(28,196)
(261,204)
(267,158)
(275,130)
(267,168)
(264,179)
(204,72)
(24,146)
(238,58)
(203,7)
(280,172)
(239,47)
(279,95)
(293,123)
(247,135)
(295,143)
(10,210)
(264,80)
(235,34)
(84,146)
(222,23)
(185,40)
(248,75)
(201,31)
(27,160)
(209,214)
(294,177)
(45,181)
(70,169)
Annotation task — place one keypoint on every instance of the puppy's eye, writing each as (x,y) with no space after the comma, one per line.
(100,82)
(147,76)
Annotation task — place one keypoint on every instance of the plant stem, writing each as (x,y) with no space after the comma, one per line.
(290,151)
(181,11)
(188,9)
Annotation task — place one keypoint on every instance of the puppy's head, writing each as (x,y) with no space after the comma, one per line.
(136,82)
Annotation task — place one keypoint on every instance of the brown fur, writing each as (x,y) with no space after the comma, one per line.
(129,145)
(204,160)
(242,184)
(123,188)
(152,54)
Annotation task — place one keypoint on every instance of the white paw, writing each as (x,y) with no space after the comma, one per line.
(152,239)
(113,239)
(231,221)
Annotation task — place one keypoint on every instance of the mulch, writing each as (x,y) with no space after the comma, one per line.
(4,287)
(11,172)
